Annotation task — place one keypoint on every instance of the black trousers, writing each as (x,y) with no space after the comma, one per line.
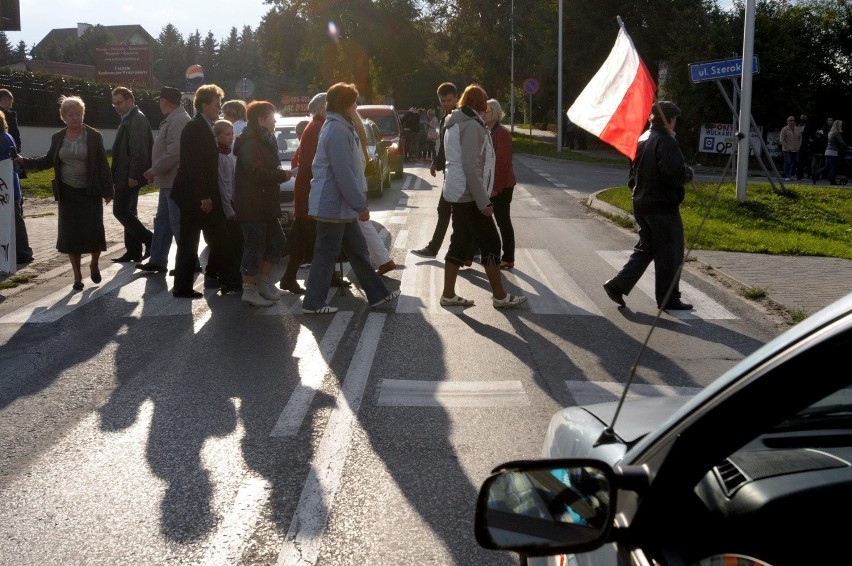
(192,223)
(124,210)
(444,215)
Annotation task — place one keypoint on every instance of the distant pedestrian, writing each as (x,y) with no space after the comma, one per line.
(337,200)
(82,184)
(131,157)
(24,253)
(791,142)
(807,130)
(834,151)
(657,177)
(164,165)
(467,185)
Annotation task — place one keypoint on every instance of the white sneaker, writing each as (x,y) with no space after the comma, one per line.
(322,310)
(389,299)
(509,301)
(252,297)
(266,289)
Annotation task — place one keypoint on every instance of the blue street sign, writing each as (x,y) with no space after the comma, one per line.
(724,68)
(531,86)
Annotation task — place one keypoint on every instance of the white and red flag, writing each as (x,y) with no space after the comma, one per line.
(616,103)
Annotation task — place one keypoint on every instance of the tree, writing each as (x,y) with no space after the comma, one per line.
(21,51)
(7,54)
(170,57)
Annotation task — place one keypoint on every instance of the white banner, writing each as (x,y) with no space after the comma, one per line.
(721,138)
(8,253)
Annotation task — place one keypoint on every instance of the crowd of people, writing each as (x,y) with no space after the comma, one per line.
(815,153)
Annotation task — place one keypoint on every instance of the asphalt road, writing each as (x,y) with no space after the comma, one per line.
(138,428)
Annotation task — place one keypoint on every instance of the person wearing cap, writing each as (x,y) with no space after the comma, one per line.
(791,143)
(657,177)
(165,158)
(303,232)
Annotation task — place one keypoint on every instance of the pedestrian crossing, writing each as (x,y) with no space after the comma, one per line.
(550,288)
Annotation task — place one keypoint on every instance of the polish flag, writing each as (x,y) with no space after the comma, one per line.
(616,103)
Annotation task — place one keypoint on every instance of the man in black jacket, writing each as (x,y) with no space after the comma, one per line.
(196,192)
(131,157)
(657,177)
(448,96)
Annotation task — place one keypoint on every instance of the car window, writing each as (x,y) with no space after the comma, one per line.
(386,124)
(288,143)
(371,138)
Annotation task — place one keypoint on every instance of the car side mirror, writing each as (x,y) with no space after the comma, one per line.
(546,507)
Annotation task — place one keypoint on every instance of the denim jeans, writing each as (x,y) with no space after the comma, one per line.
(331,238)
(660,241)
(262,241)
(166,227)
(791,163)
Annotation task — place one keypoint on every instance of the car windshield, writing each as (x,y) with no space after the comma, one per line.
(288,143)
(371,139)
(834,411)
(386,124)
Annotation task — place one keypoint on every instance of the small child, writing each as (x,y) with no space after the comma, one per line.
(224,132)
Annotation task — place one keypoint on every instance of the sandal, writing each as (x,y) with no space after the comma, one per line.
(455,301)
(509,301)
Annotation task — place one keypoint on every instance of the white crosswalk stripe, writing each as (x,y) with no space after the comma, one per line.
(705,307)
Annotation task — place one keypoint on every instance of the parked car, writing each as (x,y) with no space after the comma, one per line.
(386,118)
(755,469)
(378,166)
(288,143)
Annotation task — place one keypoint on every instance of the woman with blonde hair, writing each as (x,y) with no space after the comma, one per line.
(504,181)
(835,149)
(82,184)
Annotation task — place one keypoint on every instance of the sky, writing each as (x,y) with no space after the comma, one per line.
(38,17)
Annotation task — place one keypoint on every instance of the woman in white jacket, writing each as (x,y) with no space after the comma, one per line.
(467,185)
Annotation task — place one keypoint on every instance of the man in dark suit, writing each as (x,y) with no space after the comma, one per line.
(131,157)
(196,192)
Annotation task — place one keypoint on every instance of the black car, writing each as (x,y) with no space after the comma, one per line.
(386,118)
(755,469)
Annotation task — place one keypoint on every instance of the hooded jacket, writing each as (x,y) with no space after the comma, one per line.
(470,158)
(337,189)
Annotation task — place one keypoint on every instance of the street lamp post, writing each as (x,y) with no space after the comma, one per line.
(559,88)
(512,80)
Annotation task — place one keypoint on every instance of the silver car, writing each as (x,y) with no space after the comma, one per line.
(755,469)
(288,143)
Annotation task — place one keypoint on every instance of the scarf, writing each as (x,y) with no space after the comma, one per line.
(224,149)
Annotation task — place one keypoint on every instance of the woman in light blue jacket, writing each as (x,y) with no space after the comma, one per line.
(337,201)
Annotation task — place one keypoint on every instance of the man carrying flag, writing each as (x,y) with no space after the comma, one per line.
(657,178)
(614,107)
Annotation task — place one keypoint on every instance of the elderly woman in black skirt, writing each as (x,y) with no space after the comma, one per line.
(82,184)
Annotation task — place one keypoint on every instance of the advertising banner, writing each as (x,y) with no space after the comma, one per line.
(127,65)
(722,138)
(8,253)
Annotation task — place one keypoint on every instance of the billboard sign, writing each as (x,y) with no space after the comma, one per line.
(294,104)
(722,138)
(127,65)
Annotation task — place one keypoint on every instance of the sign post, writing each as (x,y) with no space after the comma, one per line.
(531,87)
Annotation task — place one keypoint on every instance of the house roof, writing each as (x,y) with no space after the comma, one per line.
(122,34)
(54,68)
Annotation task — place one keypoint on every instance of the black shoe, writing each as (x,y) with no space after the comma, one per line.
(24,260)
(211,282)
(230,289)
(191,294)
(126,258)
(152,267)
(425,252)
(292,286)
(338,281)
(677,305)
(95,274)
(614,293)
(171,272)
(77,286)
